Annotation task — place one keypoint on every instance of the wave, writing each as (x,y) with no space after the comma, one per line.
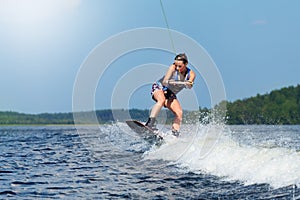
(212,149)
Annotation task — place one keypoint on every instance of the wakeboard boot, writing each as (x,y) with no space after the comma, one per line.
(151,123)
(175,132)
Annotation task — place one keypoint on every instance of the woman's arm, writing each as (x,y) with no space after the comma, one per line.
(191,79)
(168,75)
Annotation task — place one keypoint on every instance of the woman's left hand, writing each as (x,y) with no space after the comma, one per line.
(189,84)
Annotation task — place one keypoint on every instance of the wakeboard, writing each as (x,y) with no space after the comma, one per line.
(145,132)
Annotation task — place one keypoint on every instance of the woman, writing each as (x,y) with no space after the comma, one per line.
(164,91)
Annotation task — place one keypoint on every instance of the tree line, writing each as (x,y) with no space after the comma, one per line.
(277,107)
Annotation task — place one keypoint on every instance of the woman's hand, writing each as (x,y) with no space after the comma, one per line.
(189,84)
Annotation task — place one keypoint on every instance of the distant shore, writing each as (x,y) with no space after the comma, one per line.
(279,107)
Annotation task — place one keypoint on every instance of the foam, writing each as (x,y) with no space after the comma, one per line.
(212,150)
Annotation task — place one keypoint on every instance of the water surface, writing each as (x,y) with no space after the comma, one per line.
(110,162)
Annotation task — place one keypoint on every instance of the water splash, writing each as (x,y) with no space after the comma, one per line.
(211,149)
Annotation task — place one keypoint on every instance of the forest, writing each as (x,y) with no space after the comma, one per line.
(277,107)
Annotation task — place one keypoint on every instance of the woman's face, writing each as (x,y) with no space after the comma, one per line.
(180,66)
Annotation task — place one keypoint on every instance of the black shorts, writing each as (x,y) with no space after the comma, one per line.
(169,95)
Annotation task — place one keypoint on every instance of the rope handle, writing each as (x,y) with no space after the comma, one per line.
(171,82)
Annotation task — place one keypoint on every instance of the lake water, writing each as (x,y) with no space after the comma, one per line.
(112,162)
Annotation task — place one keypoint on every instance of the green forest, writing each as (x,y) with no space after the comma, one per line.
(277,107)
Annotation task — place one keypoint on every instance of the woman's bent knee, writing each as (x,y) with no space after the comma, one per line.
(179,114)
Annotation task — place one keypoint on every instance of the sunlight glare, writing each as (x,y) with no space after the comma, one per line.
(31,12)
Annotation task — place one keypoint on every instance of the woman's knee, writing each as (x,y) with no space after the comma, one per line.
(178,114)
(161,102)
(159,97)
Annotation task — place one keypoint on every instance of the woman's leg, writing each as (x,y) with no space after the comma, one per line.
(175,107)
(160,99)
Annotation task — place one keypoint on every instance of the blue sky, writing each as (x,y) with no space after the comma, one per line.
(255,45)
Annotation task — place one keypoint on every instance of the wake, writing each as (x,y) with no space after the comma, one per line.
(211,149)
